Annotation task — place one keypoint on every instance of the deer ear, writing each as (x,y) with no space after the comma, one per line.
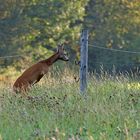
(60,46)
(58,49)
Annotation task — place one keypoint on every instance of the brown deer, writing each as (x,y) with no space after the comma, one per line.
(34,73)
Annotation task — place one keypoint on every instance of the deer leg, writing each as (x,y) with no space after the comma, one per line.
(39,77)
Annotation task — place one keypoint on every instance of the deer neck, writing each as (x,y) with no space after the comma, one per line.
(52,59)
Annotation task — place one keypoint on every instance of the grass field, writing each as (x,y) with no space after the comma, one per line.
(109,111)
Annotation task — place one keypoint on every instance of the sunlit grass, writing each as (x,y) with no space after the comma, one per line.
(110,110)
(134,85)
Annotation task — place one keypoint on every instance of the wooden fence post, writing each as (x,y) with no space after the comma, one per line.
(84,61)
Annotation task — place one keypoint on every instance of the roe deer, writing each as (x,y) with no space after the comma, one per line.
(34,73)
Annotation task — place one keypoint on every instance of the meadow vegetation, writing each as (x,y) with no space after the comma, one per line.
(109,111)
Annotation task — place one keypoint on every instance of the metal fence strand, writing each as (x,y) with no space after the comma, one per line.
(115,50)
(10,56)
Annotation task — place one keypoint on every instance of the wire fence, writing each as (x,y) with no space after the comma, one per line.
(10,56)
(90,45)
(119,63)
(115,50)
(96,62)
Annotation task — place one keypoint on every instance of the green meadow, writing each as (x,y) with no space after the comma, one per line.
(110,110)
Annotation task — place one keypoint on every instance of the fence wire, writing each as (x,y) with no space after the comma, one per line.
(115,50)
(10,56)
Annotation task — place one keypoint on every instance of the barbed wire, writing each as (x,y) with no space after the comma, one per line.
(39,4)
(10,56)
(110,49)
(114,64)
(115,50)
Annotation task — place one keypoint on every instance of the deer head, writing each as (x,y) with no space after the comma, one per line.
(62,53)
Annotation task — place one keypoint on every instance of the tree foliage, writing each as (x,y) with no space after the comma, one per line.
(33,28)
(29,26)
(113,24)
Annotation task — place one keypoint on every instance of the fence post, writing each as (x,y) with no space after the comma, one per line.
(83,61)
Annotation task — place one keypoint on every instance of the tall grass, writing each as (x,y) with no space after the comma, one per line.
(109,111)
